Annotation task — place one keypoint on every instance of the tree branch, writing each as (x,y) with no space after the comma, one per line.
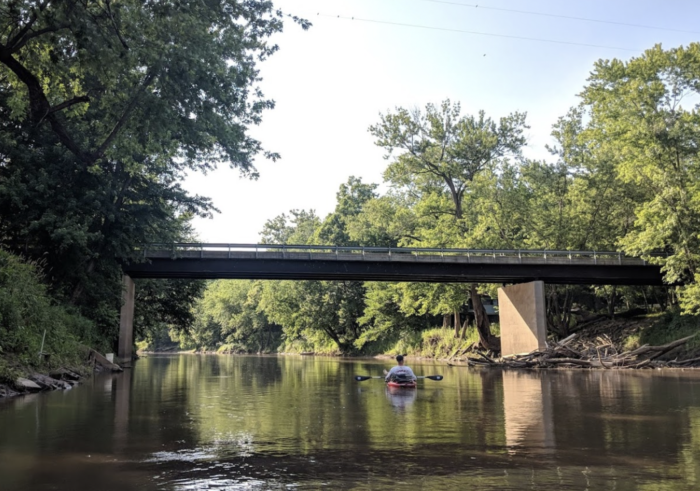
(34,17)
(114,24)
(125,116)
(39,106)
(13,48)
(71,102)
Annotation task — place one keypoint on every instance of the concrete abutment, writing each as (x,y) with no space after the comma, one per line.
(125,348)
(521,309)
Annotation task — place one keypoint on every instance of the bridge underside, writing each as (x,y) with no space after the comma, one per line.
(299,269)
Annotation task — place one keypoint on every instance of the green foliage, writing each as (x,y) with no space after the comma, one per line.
(435,342)
(441,343)
(350,201)
(306,309)
(673,325)
(298,228)
(383,320)
(164,306)
(8,373)
(640,122)
(314,313)
(632,342)
(228,318)
(103,109)
(27,312)
(442,150)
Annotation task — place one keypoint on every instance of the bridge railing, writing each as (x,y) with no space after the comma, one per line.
(328,252)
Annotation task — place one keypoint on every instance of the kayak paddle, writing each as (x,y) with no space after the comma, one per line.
(362,378)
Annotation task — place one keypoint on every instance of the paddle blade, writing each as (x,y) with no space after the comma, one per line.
(435,377)
(361,378)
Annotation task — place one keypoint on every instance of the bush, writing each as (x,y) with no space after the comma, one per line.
(672,325)
(437,342)
(28,315)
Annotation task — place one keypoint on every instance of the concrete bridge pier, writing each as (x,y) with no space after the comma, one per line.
(125,348)
(521,309)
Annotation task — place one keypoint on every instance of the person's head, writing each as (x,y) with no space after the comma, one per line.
(399,359)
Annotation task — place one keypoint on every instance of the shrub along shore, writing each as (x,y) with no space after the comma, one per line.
(43,344)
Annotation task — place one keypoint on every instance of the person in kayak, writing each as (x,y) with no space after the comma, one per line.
(399,373)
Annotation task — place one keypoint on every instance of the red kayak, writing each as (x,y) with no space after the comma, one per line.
(403,385)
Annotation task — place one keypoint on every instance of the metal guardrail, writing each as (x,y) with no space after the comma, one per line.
(184,249)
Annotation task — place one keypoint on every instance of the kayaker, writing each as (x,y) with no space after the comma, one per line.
(400,372)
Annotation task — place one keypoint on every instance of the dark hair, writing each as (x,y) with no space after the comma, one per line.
(399,358)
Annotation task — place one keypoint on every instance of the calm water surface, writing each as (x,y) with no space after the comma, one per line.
(227,422)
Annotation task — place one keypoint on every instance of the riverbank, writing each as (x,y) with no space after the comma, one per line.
(666,340)
(17,378)
(625,333)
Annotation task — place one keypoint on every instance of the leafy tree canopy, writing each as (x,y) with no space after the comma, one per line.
(644,118)
(103,108)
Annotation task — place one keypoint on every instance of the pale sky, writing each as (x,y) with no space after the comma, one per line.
(331,83)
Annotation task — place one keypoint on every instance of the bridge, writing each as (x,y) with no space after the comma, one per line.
(302,262)
(522,305)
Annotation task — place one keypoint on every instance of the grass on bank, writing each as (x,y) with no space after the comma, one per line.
(27,314)
(668,327)
(441,342)
(438,342)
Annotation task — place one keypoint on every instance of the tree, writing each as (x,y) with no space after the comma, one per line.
(439,149)
(441,154)
(103,108)
(298,228)
(162,306)
(168,79)
(306,309)
(228,316)
(639,122)
(350,201)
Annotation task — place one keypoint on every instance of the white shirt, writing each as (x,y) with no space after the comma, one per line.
(400,369)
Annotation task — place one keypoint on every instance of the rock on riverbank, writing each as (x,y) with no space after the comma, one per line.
(56,379)
(60,379)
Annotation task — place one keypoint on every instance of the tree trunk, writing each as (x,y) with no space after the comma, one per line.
(483,327)
(445,321)
(611,302)
(464,328)
(458,323)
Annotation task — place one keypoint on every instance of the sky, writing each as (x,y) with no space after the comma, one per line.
(363,58)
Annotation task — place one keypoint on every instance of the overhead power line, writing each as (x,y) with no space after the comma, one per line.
(477,33)
(559,16)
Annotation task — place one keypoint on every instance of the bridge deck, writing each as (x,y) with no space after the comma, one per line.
(375,264)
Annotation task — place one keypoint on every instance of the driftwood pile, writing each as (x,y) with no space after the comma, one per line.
(600,353)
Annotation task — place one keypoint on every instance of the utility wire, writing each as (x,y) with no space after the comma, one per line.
(491,34)
(570,17)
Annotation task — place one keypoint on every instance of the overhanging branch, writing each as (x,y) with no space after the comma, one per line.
(71,102)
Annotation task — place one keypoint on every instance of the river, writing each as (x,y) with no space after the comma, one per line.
(192,422)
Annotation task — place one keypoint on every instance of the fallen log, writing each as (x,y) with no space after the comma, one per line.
(101,360)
